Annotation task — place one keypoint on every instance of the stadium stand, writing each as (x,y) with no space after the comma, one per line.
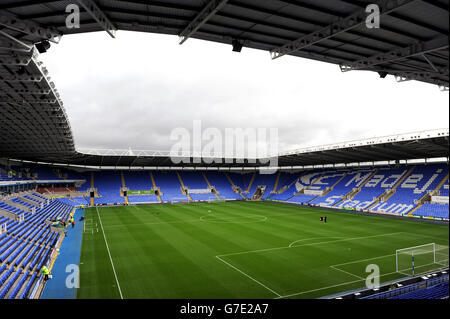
(434,288)
(139,181)
(108,184)
(28,244)
(45,173)
(402,190)
(412,45)
(439,291)
(197,186)
(433,210)
(170,186)
(222,185)
(422,180)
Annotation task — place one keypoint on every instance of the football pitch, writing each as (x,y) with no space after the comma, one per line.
(242,250)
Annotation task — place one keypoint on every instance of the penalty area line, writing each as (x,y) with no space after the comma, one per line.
(248,276)
(348,273)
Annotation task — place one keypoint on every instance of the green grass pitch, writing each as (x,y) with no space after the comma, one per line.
(241,250)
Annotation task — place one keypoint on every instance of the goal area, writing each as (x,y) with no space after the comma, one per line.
(417,260)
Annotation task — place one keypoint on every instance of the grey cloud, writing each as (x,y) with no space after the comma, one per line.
(129,98)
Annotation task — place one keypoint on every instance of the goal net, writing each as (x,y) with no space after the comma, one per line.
(420,259)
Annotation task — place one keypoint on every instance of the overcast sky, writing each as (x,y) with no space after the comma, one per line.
(132,91)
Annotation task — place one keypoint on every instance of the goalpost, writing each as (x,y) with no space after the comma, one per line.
(419,259)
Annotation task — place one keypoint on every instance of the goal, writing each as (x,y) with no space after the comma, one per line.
(420,259)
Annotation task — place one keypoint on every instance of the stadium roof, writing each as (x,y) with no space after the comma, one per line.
(412,44)
(419,145)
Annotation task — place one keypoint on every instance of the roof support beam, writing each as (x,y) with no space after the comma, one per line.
(18,61)
(10,46)
(338,27)
(333,155)
(356,154)
(402,17)
(91,7)
(433,66)
(390,152)
(420,76)
(426,142)
(210,10)
(30,28)
(6,99)
(21,4)
(22,78)
(415,49)
(11,40)
(404,151)
(33,92)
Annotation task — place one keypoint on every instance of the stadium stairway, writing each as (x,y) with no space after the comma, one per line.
(353,192)
(92,187)
(209,185)
(247,190)
(438,188)
(393,190)
(329,189)
(385,196)
(421,202)
(155,187)
(122,178)
(277,180)
(308,198)
(233,184)
(182,185)
(287,181)
(222,185)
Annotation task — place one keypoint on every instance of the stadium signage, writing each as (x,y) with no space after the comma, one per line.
(236,308)
(144,192)
(439,199)
(192,309)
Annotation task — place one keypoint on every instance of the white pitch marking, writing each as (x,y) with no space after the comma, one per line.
(350,282)
(292,244)
(158,223)
(323,288)
(311,244)
(109,253)
(248,276)
(359,260)
(348,273)
(202,218)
